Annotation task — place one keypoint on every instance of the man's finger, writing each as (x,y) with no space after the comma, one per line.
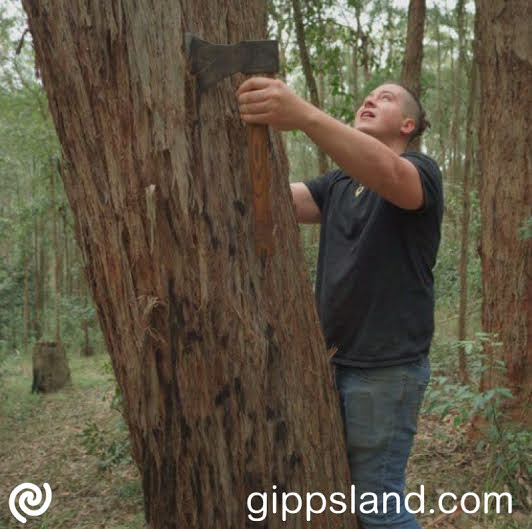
(254,96)
(255,108)
(255,119)
(254,83)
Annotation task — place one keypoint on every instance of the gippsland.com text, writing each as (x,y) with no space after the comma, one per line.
(261,505)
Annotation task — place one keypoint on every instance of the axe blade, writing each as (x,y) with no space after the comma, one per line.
(211,63)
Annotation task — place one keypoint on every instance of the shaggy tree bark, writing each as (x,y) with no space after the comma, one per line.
(218,354)
(504,59)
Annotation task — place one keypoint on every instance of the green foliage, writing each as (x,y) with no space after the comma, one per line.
(446,394)
(109,452)
(508,447)
(510,454)
(73,312)
(525,230)
(112,446)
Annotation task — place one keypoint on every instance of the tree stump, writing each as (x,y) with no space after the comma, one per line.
(50,367)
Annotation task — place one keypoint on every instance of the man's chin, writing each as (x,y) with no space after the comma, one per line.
(366,129)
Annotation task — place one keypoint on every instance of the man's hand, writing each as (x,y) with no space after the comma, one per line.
(265,101)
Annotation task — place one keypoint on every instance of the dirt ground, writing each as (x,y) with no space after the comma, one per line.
(40,442)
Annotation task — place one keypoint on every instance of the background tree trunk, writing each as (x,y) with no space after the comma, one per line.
(411,73)
(39,274)
(218,355)
(464,239)
(26,314)
(460,66)
(505,144)
(309,74)
(56,288)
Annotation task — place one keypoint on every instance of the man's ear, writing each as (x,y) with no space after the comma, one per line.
(409,124)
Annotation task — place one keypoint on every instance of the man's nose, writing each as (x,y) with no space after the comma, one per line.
(369,102)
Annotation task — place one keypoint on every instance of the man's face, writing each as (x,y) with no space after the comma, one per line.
(382,114)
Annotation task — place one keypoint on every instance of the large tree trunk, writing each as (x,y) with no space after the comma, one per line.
(505,135)
(218,355)
(411,72)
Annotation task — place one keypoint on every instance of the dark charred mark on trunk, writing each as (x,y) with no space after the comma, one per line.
(196,488)
(295,460)
(270,413)
(193,336)
(240,207)
(222,395)
(215,242)
(228,424)
(239,392)
(224,340)
(281,432)
(186,433)
(210,469)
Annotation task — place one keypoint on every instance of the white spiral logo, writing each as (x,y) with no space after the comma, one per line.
(32,497)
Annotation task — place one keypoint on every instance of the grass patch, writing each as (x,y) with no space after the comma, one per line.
(41,441)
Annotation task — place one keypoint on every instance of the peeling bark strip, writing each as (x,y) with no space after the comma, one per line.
(504,58)
(221,363)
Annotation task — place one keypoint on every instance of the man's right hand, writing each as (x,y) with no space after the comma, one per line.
(307,211)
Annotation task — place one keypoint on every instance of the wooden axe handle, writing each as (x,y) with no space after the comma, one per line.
(259,170)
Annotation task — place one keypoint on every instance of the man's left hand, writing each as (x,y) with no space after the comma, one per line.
(265,101)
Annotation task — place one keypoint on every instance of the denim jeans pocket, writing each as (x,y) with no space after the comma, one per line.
(369,412)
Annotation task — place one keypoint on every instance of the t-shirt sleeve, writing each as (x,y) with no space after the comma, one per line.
(431,179)
(319,188)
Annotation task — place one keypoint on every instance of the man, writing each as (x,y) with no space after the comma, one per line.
(380,217)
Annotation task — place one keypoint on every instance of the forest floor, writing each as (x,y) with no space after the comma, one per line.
(66,438)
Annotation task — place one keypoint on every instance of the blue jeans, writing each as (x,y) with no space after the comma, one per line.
(380,407)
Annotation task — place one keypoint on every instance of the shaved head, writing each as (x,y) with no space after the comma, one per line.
(412,109)
(392,114)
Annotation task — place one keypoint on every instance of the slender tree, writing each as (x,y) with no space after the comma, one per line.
(355,58)
(460,65)
(310,79)
(217,351)
(411,72)
(57,254)
(464,239)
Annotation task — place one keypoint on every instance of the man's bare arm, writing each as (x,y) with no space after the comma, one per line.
(368,160)
(307,211)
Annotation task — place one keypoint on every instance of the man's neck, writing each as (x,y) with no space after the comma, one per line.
(398,147)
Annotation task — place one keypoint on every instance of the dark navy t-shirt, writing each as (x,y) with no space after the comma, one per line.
(374,285)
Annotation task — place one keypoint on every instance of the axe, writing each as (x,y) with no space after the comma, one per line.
(211,63)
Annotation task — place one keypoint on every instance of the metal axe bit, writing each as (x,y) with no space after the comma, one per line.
(211,63)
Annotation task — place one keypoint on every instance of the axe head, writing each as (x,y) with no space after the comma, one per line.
(211,63)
